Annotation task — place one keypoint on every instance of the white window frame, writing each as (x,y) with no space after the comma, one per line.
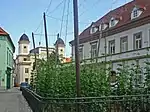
(124,44)
(93,49)
(112,22)
(93,29)
(137,41)
(112,47)
(135,13)
(81,54)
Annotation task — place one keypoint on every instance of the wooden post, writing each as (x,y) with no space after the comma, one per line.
(76,35)
(57,49)
(100,36)
(45,28)
(35,61)
(34,48)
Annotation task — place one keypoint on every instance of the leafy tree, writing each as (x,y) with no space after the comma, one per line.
(147,77)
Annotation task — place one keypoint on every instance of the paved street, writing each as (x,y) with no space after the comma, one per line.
(13,101)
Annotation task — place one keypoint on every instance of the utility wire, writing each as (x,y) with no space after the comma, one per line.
(67,23)
(94,4)
(51,35)
(59,19)
(41,35)
(56,7)
(38,26)
(62,18)
(48,6)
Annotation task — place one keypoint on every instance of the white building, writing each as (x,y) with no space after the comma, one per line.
(23,62)
(124,35)
(25,59)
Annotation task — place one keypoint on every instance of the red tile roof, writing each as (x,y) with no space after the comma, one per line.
(123,13)
(2,32)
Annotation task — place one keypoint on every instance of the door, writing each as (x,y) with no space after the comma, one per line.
(8,74)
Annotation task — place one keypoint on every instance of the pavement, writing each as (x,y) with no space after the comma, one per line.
(13,101)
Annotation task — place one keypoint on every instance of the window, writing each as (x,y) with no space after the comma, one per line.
(24,59)
(138,40)
(81,53)
(112,47)
(61,50)
(7,56)
(112,22)
(93,29)
(124,44)
(93,50)
(26,70)
(25,49)
(26,80)
(135,13)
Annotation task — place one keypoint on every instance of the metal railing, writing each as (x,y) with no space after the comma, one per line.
(131,103)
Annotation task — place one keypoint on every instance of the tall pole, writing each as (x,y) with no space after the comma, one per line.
(45,28)
(35,61)
(77,60)
(97,54)
(34,47)
(57,49)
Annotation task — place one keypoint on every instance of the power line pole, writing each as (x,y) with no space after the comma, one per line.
(57,49)
(45,28)
(34,48)
(97,54)
(35,61)
(76,34)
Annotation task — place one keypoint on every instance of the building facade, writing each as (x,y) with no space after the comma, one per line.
(26,58)
(122,36)
(7,50)
(41,52)
(23,62)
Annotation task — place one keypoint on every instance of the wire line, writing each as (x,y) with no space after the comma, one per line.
(48,6)
(62,17)
(56,7)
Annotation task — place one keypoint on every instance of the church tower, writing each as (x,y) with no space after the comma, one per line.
(61,47)
(23,45)
(23,62)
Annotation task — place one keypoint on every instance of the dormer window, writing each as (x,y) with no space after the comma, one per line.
(136,12)
(113,22)
(93,29)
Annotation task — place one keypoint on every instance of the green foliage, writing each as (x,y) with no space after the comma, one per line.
(147,77)
(59,80)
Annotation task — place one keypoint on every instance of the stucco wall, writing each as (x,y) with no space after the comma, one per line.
(22,75)
(145,42)
(21,48)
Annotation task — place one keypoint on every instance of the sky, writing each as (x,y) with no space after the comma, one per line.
(26,16)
